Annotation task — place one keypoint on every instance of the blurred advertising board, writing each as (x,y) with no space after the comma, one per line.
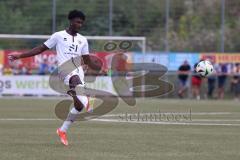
(39,85)
(171,60)
(222,57)
(120,60)
(176,59)
(1,57)
(49,57)
(32,62)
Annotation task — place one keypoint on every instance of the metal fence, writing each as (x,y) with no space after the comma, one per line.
(169,25)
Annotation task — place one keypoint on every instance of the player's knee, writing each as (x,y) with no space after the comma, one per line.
(74,81)
(78,107)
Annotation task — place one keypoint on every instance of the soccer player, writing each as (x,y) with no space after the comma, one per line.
(69,44)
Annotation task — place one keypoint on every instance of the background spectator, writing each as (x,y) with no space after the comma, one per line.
(52,67)
(236,81)
(43,67)
(7,70)
(183,73)
(25,70)
(211,81)
(222,71)
(196,83)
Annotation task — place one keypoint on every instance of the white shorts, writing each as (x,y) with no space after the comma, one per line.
(66,77)
(79,72)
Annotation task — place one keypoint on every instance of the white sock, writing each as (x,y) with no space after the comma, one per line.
(72,116)
(65,126)
(83,100)
(198,97)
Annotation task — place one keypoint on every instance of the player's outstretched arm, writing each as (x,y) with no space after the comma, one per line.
(35,51)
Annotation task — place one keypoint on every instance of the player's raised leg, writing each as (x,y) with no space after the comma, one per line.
(79,103)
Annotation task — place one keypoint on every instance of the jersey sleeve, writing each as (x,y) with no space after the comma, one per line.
(85,49)
(52,41)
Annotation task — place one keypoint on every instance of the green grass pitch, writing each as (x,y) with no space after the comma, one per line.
(28,126)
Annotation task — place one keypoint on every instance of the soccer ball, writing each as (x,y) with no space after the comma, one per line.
(204,68)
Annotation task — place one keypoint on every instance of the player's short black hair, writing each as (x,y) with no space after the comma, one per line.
(76,14)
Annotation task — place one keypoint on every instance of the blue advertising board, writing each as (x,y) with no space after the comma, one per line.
(171,60)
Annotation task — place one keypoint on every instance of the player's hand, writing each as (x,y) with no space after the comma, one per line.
(13,56)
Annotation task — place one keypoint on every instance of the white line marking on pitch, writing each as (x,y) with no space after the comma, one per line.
(167,123)
(52,119)
(28,119)
(170,113)
(139,122)
(216,120)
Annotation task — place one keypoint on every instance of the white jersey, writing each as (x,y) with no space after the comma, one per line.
(68,47)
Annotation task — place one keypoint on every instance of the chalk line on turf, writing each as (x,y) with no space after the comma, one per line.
(167,123)
(196,122)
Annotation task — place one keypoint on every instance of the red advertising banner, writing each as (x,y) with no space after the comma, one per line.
(1,57)
(222,57)
(49,57)
(31,62)
(25,61)
(228,58)
(120,62)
